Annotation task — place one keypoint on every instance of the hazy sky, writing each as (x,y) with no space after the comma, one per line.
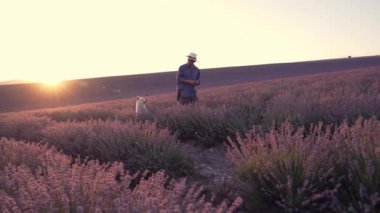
(69,39)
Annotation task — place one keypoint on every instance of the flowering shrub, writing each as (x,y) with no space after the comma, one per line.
(324,170)
(31,155)
(278,169)
(58,185)
(206,126)
(330,98)
(23,126)
(141,146)
(96,112)
(359,164)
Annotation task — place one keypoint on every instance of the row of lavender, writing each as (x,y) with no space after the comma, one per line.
(35,178)
(333,168)
(330,98)
(279,155)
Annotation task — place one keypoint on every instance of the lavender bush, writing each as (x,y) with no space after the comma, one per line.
(91,112)
(205,126)
(280,169)
(28,154)
(359,165)
(24,126)
(332,169)
(58,185)
(329,98)
(140,146)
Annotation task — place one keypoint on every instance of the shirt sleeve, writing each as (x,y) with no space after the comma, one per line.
(180,76)
(199,77)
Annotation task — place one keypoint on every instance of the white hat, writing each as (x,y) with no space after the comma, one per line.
(192,56)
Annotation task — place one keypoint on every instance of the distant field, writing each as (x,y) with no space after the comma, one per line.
(34,96)
(309,143)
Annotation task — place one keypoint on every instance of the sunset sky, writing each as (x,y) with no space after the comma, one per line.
(44,40)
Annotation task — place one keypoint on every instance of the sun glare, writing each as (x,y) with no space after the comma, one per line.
(52,83)
(48,82)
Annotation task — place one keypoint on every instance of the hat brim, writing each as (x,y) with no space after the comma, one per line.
(192,58)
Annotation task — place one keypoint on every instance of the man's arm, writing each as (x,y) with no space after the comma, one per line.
(198,81)
(191,82)
(180,76)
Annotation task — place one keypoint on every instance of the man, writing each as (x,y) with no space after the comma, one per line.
(188,77)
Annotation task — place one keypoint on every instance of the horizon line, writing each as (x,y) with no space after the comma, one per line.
(21,81)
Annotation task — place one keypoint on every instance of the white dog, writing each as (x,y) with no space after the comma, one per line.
(141,110)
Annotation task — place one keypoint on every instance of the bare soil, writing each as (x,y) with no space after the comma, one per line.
(213,170)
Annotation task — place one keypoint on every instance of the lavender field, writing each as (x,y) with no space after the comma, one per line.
(297,144)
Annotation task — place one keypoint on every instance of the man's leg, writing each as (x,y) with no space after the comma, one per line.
(178,96)
(184,100)
(188,100)
(193,100)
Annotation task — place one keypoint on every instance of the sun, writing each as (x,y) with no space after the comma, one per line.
(51,82)
(47,81)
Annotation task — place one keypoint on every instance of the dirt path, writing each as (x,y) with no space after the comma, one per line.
(213,170)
